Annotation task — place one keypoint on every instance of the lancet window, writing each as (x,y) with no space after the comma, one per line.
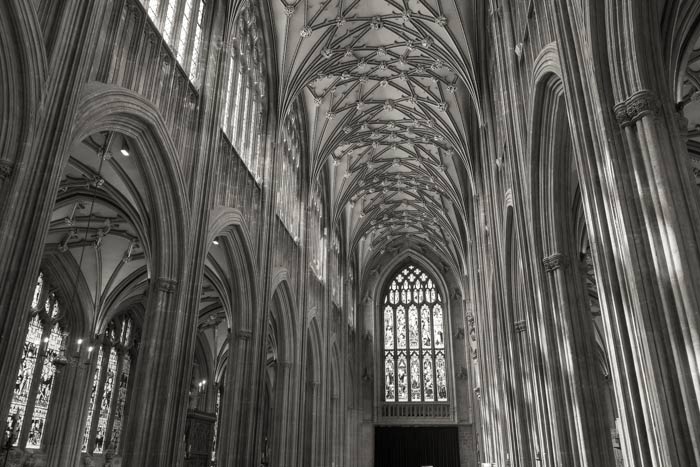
(44,343)
(289,179)
(181,23)
(244,103)
(414,339)
(113,360)
(318,232)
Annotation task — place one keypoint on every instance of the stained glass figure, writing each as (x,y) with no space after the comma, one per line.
(106,402)
(414,339)
(93,397)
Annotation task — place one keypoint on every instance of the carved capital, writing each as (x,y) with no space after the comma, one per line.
(520,326)
(639,105)
(166,285)
(620,110)
(642,103)
(244,334)
(555,261)
(5,169)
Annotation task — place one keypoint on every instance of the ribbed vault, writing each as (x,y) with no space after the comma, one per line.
(388,87)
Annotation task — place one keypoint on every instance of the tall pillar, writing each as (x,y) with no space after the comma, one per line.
(645,223)
(157,411)
(29,186)
(65,421)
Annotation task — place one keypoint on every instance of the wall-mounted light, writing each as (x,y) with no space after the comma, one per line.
(125,149)
(215,242)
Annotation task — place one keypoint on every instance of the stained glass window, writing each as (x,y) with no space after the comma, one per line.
(106,414)
(414,340)
(36,373)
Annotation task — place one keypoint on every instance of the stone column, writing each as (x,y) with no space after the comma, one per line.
(65,422)
(29,187)
(587,440)
(158,407)
(236,432)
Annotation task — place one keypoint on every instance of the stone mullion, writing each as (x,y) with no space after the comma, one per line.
(99,394)
(30,188)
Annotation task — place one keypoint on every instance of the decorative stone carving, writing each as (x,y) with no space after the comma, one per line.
(166,285)
(642,103)
(520,326)
(555,261)
(244,334)
(5,170)
(639,105)
(460,334)
(463,373)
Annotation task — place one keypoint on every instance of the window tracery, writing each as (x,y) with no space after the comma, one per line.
(289,180)
(414,340)
(242,120)
(43,344)
(110,387)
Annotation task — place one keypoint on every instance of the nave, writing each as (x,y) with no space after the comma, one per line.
(350,233)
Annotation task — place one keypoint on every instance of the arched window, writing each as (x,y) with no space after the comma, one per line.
(110,386)
(244,103)
(35,378)
(414,339)
(289,179)
(181,24)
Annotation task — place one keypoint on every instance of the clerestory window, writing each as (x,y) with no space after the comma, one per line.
(414,339)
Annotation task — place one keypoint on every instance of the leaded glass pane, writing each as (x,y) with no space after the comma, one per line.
(121,402)
(402,375)
(429,387)
(37,292)
(46,381)
(426,335)
(153,10)
(106,402)
(437,326)
(415,377)
(400,327)
(389,382)
(388,328)
(441,376)
(413,327)
(184,30)
(25,374)
(169,21)
(93,397)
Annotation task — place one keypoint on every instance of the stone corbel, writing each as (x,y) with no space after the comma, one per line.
(555,261)
(639,105)
(6,168)
(165,285)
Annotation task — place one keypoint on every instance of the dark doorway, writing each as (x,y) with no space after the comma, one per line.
(416,447)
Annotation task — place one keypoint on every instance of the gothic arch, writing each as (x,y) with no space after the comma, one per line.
(23,67)
(228,225)
(108,107)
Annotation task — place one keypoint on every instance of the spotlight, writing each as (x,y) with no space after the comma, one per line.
(215,242)
(125,149)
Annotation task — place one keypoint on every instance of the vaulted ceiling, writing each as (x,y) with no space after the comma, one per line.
(388,87)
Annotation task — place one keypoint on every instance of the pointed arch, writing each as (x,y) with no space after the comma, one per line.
(108,107)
